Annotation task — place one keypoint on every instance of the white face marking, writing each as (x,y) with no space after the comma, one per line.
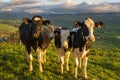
(64,36)
(37,18)
(90,25)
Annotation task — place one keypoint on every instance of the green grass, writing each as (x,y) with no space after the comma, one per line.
(11,22)
(6,30)
(7,27)
(103,64)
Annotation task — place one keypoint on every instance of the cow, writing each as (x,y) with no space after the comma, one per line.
(32,35)
(81,41)
(61,42)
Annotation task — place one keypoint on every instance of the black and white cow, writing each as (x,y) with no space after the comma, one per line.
(62,46)
(81,42)
(32,35)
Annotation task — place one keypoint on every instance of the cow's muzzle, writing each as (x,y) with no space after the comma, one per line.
(91,38)
(65,44)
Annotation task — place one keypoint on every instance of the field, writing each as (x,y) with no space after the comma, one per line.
(103,63)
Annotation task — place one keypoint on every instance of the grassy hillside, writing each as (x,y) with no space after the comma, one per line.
(14,23)
(103,63)
(8,27)
(6,30)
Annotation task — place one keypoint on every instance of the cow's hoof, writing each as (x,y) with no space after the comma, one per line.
(75,76)
(60,72)
(67,69)
(40,70)
(85,78)
(79,66)
(30,70)
(43,62)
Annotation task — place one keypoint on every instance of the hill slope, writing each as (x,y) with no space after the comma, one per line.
(103,63)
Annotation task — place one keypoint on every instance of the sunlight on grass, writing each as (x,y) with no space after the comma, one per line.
(102,64)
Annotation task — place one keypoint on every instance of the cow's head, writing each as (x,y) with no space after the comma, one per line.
(26,20)
(61,38)
(77,23)
(89,26)
(36,26)
(46,22)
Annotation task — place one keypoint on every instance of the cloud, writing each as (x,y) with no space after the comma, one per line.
(4,7)
(95,7)
(34,10)
(106,7)
(55,0)
(57,6)
(19,2)
(70,2)
(7,9)
(2,4)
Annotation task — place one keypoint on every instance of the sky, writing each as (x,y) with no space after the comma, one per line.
(80,0)
(59,6)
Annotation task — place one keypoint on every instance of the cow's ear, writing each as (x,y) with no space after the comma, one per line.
(98,24)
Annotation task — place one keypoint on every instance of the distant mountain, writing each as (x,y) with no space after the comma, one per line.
(21,15)
(14,15)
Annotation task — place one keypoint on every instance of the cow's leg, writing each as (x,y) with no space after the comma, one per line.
(85,59)
(40,60)
(67,60)
(61,58)
(29,58)
(58,59)
(79,62)
(58,52)
(76,65)
(61,64)
(44,56)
